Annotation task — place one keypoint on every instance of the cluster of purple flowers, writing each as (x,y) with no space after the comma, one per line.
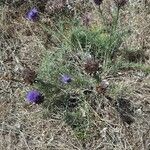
(36,97)
(33,13)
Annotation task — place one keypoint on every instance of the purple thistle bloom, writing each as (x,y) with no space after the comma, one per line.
(98,2)
(65,79)
(32,14)
(34,97)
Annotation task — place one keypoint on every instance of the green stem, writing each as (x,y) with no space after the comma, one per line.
(102,16)
(113,29)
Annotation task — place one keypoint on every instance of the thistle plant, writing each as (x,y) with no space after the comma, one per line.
(82,75)
(67,75)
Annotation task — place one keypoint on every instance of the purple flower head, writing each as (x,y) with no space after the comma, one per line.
(66,79)
(98,2)
(34,97)
(32,14)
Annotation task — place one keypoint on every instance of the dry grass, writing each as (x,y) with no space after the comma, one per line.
(30,127)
